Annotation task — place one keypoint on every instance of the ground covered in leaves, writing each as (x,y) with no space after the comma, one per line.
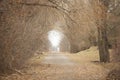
(64,66)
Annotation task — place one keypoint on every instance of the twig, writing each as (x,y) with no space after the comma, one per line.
(53,2)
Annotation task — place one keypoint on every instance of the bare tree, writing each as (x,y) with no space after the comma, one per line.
(101,18)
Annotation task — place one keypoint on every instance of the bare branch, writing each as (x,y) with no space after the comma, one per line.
(53,2)
(65,11)
(37,4)
(56,6)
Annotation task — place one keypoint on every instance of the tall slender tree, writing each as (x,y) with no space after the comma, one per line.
(100,10)
(102,31)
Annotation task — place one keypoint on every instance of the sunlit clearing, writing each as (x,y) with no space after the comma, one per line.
(55,38)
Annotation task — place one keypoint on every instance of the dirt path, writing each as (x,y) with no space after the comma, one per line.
(57,66)
(57,58)
(62,68)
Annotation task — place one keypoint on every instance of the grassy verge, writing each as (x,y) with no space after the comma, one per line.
(90,58)
(89,55)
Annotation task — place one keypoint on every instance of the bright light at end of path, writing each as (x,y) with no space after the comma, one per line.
(55,37)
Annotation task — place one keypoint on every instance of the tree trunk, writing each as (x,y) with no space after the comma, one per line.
(103,45)
(102,31)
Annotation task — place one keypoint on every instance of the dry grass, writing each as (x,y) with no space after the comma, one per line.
(86,56)
(90,59)
(36,59)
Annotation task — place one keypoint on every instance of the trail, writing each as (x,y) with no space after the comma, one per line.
(59,66)
(63,66)
(57,58)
